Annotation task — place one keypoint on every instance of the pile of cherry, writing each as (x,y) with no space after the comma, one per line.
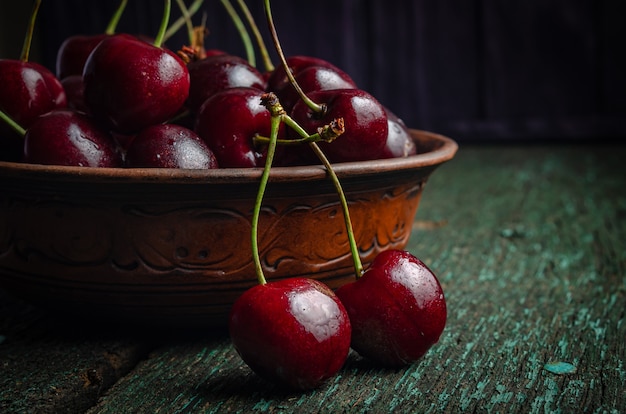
(118,100)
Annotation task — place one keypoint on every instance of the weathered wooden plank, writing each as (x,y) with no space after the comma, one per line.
(529,244)
(47,366)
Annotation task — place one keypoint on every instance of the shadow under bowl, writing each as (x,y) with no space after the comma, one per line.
(171,247)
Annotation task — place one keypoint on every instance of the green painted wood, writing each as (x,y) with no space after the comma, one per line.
(530,246)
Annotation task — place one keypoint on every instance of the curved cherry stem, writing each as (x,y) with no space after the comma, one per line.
(158,41)
(267,62)
(279,50)
(174,27)
(241,28)
(354,249)
(11,122)
(28,40)
(115,19)
(187,19)
(270,101)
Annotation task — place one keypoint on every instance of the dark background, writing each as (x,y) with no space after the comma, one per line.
(475,70)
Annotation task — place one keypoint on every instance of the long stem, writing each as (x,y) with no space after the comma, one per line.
(187,17)
(267,62)
(11,122)
(158,41)
(271,149)
(354,249)
(241,28)
(279,50)
(29,32)
(115,19)
(174,27)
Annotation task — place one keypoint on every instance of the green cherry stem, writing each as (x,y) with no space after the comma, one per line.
(338,128)
(279,50)
(269,66)
(174,27)
(354,249)
(241,28)
(115,19)
(158,41)
(187,18)
(29,32)
(271,103)
(11,122)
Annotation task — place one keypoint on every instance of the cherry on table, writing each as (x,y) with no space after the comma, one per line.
(397,309)
(294,332)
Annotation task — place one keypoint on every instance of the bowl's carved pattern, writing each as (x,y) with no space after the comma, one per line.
(143,246)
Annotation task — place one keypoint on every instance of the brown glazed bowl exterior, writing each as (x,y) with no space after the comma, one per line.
(172,247)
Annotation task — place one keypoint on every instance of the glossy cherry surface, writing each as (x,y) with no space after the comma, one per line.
(169,146)
(73,53)
(218,72)
(293,331)
(228,122)
(66,137)
(364,117)
(397,309)
(399,142)
(131,84)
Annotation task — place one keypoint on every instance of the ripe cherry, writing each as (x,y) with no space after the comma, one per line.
(397,309)
(293,331)
(365,121)
(228,122)
(217,72)
(66,137)
(131,84)
(399,142)
(314,78)
(169,146)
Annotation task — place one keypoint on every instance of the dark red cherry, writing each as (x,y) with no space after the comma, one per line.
(66,137)
(218,72)
(314,78)
(399,141)
(73,54)
(397,309)
(364,117)
(130,84)
(294,332)
(228,122)
(169,146)
(75,92)
(278,79)
(28,91)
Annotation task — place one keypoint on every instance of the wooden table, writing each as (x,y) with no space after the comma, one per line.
(529,243)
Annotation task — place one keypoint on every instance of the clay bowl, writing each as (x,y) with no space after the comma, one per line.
(172,247)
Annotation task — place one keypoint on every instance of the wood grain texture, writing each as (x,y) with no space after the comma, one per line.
(530,246)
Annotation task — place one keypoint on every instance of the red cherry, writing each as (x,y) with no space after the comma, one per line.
(294,332)
(399,141)
(131,84)
(218,72)
(75,92)
(228,122)
(73,54)
(66,137)
(314,78)
(28,91)
(169,146)
(278,80)
(364,118)
(397,309)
